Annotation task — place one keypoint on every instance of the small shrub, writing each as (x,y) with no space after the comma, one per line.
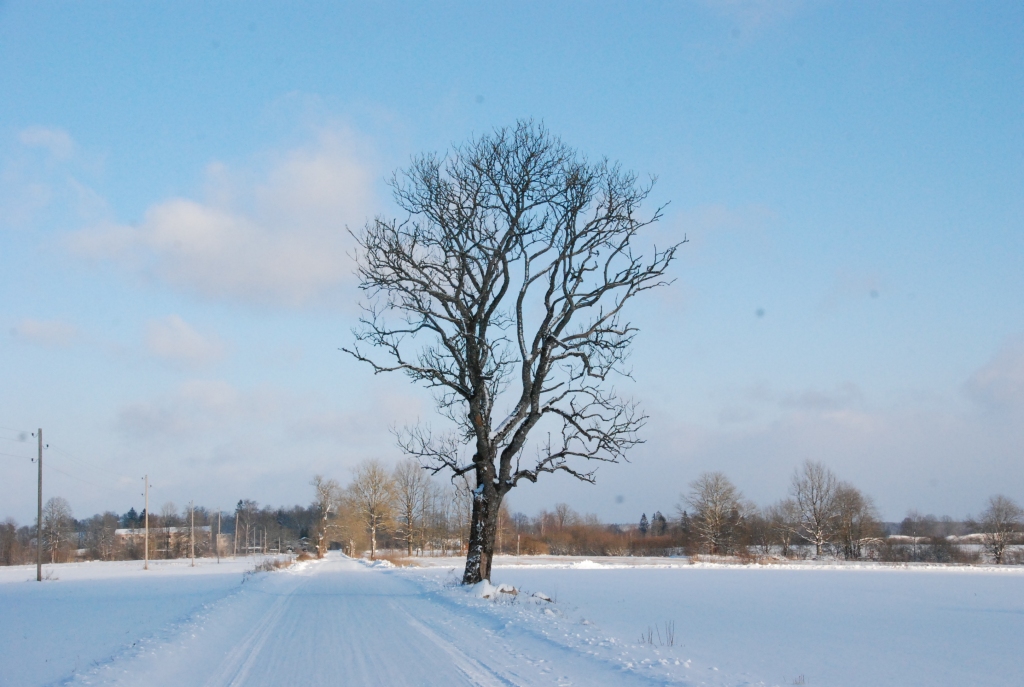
(654,636)
(398,561)
(272,564)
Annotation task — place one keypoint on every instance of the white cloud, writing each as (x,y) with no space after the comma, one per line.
(175,340)
(52,333)
(999,384)
(279,239)
(57,142)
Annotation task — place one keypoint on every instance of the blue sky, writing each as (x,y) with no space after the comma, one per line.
(176,179)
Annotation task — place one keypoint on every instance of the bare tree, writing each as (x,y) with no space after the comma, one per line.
(784,523)
(565,516)
(102,529)
(371,496)
(999,523)
(411,494)
(461,495)
(856,520)
(717,511)
(168,515)
(57,527)
(246,513)
(9,548)
(503,290)
(325,502)
(759,530)
(814,491)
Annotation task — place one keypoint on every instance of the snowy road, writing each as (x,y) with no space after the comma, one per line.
(339,622)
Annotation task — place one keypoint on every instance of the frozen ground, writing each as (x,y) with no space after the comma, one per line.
(340,622)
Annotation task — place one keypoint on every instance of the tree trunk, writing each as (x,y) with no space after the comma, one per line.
(482,531)
(373,541)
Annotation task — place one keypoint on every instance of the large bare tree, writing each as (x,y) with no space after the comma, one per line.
(502,289)
(856,520)
(717,511)
(814,491)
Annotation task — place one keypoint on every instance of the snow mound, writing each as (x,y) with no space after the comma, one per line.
(587,565)
(486,590)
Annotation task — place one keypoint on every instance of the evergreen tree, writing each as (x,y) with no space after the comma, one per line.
(643,525)
(659,525)
(130,519)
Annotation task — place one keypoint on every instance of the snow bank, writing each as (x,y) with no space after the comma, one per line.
(822,624)
(379,563)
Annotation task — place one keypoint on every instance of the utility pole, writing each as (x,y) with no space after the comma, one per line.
(192,533)
(218,537)
(39,513)
(145,556)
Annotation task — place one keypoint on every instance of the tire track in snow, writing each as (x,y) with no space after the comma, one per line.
(237,665)
(476,672)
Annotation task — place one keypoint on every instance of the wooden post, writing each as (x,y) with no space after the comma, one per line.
(145,546)
(39,513)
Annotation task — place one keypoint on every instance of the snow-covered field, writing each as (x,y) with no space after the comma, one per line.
(340,621)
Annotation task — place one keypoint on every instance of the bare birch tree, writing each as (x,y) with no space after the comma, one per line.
(999,524)
(57,527)
(503,290)
(814,491)
(412,487)
(371,497)
(326,493)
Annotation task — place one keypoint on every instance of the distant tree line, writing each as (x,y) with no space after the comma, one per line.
(825,516)
(820,516)
(404,511)
(173,533)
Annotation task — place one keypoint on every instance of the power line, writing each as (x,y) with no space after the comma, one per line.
(90,466)
(75,477)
